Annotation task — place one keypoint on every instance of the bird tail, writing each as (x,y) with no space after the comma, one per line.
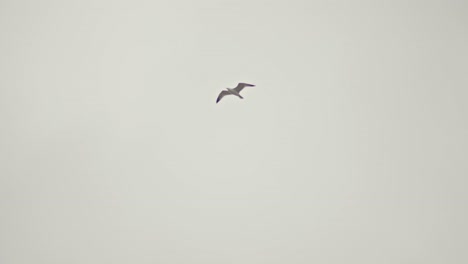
(241,97)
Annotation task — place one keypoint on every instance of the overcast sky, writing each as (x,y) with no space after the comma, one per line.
(352,147)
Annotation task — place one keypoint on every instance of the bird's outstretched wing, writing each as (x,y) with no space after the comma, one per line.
(221,95)
(241,86)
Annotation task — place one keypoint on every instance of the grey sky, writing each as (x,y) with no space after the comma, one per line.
(352,147)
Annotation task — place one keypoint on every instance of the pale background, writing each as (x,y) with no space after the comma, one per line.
(352,148)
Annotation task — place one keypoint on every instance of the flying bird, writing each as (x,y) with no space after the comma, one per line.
(234,91)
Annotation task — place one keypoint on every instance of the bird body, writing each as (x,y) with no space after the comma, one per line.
(234,91)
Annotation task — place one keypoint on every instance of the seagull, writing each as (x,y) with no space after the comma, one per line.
(234,91)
